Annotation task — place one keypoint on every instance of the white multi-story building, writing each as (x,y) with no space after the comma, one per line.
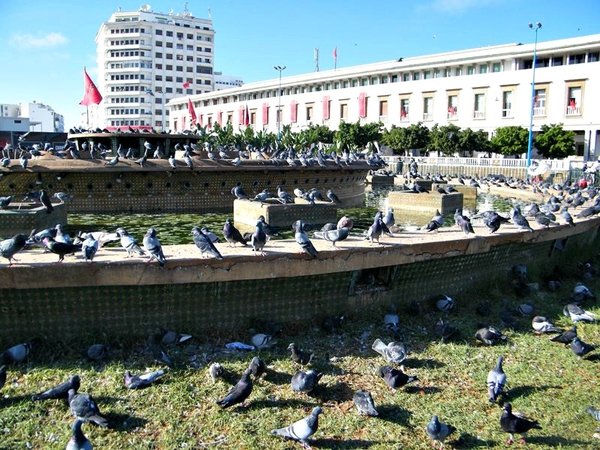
(32,116)
(145,59)
(227,81)
(481,88)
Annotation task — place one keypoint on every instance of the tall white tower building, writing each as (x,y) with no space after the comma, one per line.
(145,59)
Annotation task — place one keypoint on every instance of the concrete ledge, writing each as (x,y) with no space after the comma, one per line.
(26,216)
(425,202)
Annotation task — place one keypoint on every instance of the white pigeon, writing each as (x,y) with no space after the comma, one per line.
(394,352)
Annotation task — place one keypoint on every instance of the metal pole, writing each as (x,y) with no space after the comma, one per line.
(536,27)
(280,69)
(163,110)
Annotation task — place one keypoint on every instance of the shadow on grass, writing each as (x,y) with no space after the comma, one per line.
(555,441)
(394,414)
(278,378)
(124,422)
(10,401)
(414,363)
(594,358)
(282,403)
(525,391)
(340,392)
(470,441)
(424,389)
(343,444)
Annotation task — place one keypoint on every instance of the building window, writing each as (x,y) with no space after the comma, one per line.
(394,78)
(557,60)
(169,45)
(436,73)
(427,75)
(483,68)
(158,55)
(406,77)
(404,110)
(158,32)
(497,67)
(383,110)
(577,59)
(574,101)
(158,43)
(336,85)
(309,113)
(507,100)
(458,71)
(593,56)
(427,108)
(364,82)
(384,79)
(479,107)
(447,72)
(539,102)
(343,111)
(471,70)
(354,83)
(452,107)
(374,80)
(169,33)
(416,76)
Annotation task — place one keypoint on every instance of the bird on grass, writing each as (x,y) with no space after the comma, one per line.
(59,391)
(302,239)
(156,349)
(129,243)
(513,424)
(438,431)
(262,341)
(17,353)
(395,378)
(394,352)
(238,393)
(10,247)
(567,336)
(205,245)
(172,337)
(153,247)
(581,348)
(444,303)
(364,403)
(578,314)
(496,380)
(78,440)
(444,331)
(257,367)
(595,413)
(215,371)
(300,356)
(302,429)
(489,335)
(96,352)
(84,407)
(542,324)
(391,320)
(143,380)
(305,381)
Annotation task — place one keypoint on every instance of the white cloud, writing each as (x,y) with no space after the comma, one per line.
(39,41)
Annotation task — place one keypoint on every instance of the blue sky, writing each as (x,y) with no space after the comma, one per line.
(45,45)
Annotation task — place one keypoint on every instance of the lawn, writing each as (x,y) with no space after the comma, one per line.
(546,381)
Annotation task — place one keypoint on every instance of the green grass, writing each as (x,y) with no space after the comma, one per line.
(545,381)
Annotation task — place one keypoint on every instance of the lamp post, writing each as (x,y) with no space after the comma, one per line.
(162,92)
(535,27)
(280,69)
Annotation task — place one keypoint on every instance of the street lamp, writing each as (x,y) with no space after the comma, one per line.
(535,27)
(162,92)
(280,69)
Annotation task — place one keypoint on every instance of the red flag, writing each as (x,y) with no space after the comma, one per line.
(92,94)
(191,111)
(335,53)
(186,84)
(247,116)
(402,112)
(572,103)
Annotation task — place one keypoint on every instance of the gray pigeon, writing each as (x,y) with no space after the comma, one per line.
(240,392)
(10,247)
(444,303)
(83,407)
(391,320)
(519,219)
(97,352)
(60,391)
(204,244)
(395,378)
(333,236)
(257,367)
(566,216)
(45,200)
(578,314)
(262,341)
(512,424)
(436,222)
(302,239)
(581,348)
(89,248)
(152,246)
(438,431)
(595,413)
(129,243)
(215,371)
(78,440)
(17,353)
(302,429)
(232,234)
(394,352)
(300,356)
(258,238)
(567,336)
(542,324)
(489,335)
(305,381)
(143,380)
(364,403)
(496,380)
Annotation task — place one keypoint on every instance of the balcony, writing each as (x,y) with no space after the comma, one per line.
(539,111)
(427,117)
(573,111)
(479,115)
(404,118)
(507,113)
(383,118)
(452,116)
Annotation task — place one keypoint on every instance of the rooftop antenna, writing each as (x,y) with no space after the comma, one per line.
(185,9)
(316,56)
(145,7)
(209,14)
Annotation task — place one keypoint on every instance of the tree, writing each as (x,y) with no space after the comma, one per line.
(510,141)
(395,138)
(417,136)
(445,139)
(474,141)
(355,134)
(555,142)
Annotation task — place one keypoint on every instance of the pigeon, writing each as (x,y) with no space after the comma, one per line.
(581,292)
(300,356)
(333,236)
(212,236)
(394,352)
(566,216)
(389,219)
(542,324)
(364,403)
(170,337)
(60,391)
(444,331)
(129,243)
(438,431)
(257,367)
(496,380)
(493,220)
(302,429)
(61,236)
(395,378)
(595,413)
(332,324)
(89,248)
(157,350)
(204,244)
(258,238)
(232,234)
(581,348)
(10,247)
(3,370)
(436,222)
(567,336)
(444,303)
(97,352)
(5,201)
(262,341)
(463,222)
(78,440)
(345,222)
(302,239)
(305,381)
(215,371)
(489,335)
(45,200)
(519,219)
(143,380)
(377,228)
(114,161)
(268,229)
(512,424)
(332,196)
(100,236)
(153,247)
(577,314)
(391,320)
(17,353)
(238,192)
(526,309)
(83,407)
(238,393)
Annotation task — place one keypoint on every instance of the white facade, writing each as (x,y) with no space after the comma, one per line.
(147,58)
(227,81)
(482,88)
(32,116)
